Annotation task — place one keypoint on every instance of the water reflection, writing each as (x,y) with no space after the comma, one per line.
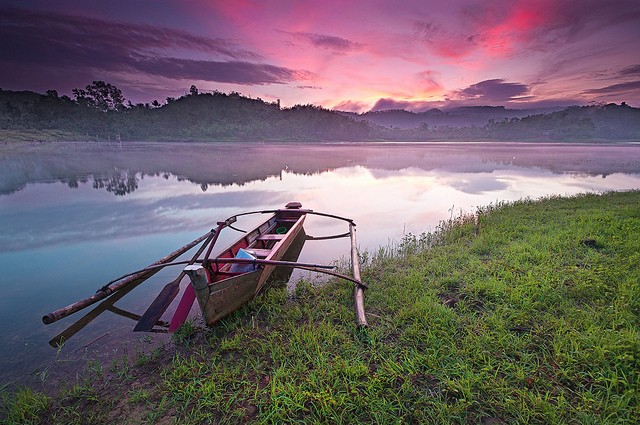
(76,216)
(118,169)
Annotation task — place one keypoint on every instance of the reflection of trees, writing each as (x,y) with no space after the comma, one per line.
(117,169)
(119,184)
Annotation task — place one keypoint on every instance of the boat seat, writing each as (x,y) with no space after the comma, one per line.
(260,253)
(270,237)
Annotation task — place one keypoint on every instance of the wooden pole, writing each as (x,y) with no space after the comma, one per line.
(107,290)
(358,290)
(318,268)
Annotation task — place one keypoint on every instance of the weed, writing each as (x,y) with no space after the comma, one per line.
(139,395)
(85,391)
(121,368)
(143,358)
(184,334)
(23,406)
(95,367)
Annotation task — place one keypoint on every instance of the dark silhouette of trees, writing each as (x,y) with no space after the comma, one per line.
(98,112)
(100,95)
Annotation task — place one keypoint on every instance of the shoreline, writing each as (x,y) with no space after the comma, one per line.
(45,137)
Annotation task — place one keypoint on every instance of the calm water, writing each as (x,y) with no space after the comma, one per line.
(73,217)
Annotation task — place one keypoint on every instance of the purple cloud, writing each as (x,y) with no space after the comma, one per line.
(496,90)
(630,71)
(226,72)
(616,88)
(70,31)
(85,46)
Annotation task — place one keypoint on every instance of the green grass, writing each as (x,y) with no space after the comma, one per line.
(519,313)
(23,407)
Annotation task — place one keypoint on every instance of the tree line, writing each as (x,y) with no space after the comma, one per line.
(100,112)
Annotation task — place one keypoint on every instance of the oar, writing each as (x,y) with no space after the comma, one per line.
(157,308)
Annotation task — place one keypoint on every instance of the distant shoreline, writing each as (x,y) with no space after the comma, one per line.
(37,137)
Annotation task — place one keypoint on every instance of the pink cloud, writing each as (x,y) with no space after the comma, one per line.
(428,83)
(328,42)
(351,106)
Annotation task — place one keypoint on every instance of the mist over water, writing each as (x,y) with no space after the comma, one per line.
(75,216)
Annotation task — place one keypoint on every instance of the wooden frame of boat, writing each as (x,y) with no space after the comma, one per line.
(224,283)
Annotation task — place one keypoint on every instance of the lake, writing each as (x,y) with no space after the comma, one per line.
(74,216)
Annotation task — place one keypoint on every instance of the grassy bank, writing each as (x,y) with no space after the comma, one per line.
(521,313)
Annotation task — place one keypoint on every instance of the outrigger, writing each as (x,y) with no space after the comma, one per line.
(224,283)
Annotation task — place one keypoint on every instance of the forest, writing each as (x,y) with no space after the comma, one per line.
(99,112)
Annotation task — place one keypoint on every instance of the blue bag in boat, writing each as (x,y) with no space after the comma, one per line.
(243,268)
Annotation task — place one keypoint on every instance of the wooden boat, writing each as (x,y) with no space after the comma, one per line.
(222,287)
(224,283)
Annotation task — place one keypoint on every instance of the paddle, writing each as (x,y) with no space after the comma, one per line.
(184,307)
(157,308)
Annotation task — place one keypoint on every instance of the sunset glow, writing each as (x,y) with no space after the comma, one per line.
(355,56)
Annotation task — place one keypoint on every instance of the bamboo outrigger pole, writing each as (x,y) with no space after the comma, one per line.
(358,290)
(108,289)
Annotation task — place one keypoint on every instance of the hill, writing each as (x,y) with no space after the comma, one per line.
(99,112)
(454,117)
(196,116)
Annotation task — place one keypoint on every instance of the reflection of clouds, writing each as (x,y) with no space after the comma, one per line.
(72,221)
(384,201)
(477,183)
(250,163)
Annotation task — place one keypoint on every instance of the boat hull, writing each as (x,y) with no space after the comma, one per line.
(227,291)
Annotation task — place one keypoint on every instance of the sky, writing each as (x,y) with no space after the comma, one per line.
(355,55)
